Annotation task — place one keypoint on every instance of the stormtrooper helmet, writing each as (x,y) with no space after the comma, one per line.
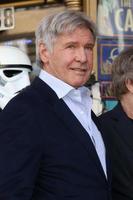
(15,66)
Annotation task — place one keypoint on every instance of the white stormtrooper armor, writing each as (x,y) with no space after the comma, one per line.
(15,66)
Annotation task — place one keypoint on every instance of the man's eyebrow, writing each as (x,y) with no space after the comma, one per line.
(71,42)
(76,42)
(90,44)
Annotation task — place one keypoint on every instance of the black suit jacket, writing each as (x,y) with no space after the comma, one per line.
(119,135)
(45,153)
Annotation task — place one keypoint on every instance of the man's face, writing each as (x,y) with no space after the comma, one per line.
(72,57)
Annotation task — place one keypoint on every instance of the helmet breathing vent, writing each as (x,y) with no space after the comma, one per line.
(2,81)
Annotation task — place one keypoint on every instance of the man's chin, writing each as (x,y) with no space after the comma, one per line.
(77,84)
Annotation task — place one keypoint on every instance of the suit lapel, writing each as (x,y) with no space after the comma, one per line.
(72,123)
(108,164)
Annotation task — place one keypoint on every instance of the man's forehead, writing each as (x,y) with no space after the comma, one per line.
(86,33)
(75,39)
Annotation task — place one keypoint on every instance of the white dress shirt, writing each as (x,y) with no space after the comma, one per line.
(80,103)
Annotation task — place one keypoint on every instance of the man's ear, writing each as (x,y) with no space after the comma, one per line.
(129,85)
(43,52)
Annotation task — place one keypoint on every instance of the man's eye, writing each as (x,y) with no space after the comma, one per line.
(71,46)
(89,47)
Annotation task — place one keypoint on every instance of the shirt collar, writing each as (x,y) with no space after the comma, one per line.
(80,93)
(60,87)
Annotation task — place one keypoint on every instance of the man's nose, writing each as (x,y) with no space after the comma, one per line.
(81,55)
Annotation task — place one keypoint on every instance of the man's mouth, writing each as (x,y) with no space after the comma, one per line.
(79,69)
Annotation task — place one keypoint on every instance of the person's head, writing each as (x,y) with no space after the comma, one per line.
(122,73)
(15,66)
(64,46)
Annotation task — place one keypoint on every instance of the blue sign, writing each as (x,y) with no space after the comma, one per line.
(115,18)
(108,49)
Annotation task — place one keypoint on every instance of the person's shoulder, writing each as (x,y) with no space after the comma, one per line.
(106,117)
(111,113)
(24,99)
(105,114)
(27,97)
(23,103)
